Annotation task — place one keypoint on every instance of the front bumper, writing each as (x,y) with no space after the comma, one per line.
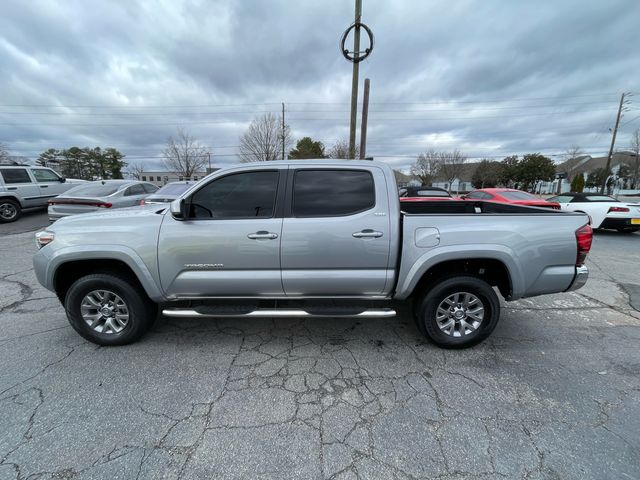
(582,274)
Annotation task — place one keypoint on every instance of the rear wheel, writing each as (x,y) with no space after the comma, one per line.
(10,210)
(458,312)
(109,310)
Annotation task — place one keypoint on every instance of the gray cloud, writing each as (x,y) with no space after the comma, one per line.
(488,77)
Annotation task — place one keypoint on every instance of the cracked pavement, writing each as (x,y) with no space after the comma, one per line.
(553,394)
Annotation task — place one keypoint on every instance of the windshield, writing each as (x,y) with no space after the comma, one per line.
(173,189)
(432,193)
(94,190)
(600,198)
(515,195)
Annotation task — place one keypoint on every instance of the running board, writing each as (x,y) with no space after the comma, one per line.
(279,312)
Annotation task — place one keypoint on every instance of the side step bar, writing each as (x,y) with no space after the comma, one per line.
(279,312)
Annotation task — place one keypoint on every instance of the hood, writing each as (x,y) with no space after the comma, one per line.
(119,216)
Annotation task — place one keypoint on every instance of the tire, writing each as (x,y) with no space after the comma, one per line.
(131,312)
(10,210)
(464,329)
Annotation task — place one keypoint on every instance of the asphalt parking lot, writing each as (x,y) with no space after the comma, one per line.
(553,394)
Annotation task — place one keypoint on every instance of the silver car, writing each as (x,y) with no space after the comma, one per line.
(168,193)
(99,195)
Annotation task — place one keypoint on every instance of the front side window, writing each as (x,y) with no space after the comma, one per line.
(43,175)
(239,195)
(332,193)
(475,195)
(15,175)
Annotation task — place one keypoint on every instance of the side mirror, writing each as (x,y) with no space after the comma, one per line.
(178,209)
(62,179)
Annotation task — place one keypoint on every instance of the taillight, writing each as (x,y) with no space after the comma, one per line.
(618,209)
(584,236)
(104,205)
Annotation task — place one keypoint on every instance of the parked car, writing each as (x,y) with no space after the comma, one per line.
(510,195)
(420,194)
(603,210)
(25,187)
(98,195)
(168,193)
(308,238)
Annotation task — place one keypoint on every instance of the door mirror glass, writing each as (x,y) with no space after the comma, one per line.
(62,179)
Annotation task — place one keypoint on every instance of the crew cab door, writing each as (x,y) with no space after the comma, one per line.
(335,234)
(229,244)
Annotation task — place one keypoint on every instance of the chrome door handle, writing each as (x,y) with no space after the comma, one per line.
(262,235)
(367,233)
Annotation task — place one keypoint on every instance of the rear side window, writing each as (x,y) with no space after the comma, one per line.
(332,193)
(15,175)
(240,195)
(518,196)
(136,189)
(477,195)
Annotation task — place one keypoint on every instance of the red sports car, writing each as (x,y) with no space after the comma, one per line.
(510,195)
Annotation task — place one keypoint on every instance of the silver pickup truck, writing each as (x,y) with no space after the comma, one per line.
(307,238)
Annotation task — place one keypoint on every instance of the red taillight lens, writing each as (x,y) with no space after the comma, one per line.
(104,205)
(618,209)
(584,236)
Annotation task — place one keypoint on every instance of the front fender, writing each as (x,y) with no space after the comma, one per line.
(46,263)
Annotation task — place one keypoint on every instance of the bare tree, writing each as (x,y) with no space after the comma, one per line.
(340,149)
(184,155)
(4,152)
(572,155)
(427,167)
(634,145)
(451,166)
(135,169)
(263,139)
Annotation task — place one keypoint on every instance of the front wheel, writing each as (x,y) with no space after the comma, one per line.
(458,312)
(108,309)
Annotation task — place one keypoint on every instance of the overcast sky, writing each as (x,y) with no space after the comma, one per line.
(489,77)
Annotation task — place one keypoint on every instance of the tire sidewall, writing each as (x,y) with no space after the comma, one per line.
(474,285)
(17,209)
(141,310)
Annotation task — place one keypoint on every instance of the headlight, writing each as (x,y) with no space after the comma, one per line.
(44,238)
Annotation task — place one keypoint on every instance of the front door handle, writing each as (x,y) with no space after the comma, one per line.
(262,235)
(44,186)
(367,233)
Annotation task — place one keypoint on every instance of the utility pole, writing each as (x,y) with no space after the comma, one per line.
(209,169)
(365,118)
(613,142)
(354,81)
(283,131)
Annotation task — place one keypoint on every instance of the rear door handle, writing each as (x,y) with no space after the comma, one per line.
(262,235)
(12,188)
(367,233)
(44,186)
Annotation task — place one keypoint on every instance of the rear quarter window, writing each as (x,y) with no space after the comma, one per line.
(332,193)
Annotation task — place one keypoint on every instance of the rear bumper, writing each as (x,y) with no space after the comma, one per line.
(582,274)
(613,223)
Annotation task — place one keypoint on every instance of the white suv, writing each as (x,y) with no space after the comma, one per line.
(25,187)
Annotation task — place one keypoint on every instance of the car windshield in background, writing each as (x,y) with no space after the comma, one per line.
(173,189)
(94,190)
(599,198)
(432,193)
(518,196)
